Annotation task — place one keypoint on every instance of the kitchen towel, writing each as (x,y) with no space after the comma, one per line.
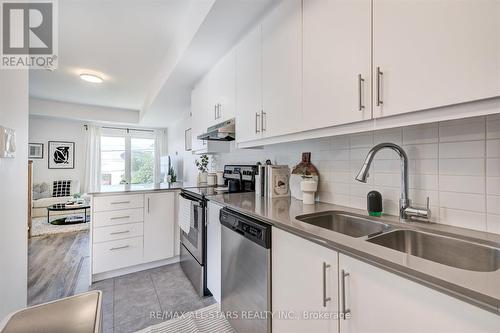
(184,214)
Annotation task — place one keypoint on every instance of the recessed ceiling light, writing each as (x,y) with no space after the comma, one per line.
(91,78)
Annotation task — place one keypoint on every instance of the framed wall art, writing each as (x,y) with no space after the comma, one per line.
(35,150)
(61,155)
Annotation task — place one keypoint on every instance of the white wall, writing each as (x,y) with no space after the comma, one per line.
(13,193)
(183,161)
(42,130)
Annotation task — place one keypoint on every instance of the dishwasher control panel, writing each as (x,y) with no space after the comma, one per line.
(256,231)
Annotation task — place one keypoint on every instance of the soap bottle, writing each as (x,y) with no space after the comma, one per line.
(374,203)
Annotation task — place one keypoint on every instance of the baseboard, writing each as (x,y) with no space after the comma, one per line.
(133,269)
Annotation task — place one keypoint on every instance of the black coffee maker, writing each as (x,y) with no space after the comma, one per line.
(240,178)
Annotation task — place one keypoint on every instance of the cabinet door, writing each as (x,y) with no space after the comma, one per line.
(249,86)
(199,120)
(282,69)
(337,62)
(223,88)
(434,53)
(380,301)
(159,226)
(301,282)
(214,251)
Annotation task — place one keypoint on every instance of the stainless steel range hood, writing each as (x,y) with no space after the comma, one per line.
(224,131)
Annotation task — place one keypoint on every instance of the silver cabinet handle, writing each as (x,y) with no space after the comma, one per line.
(119,232)
(119,217)
(257,116)
(344,309)
(119,248)
(361,83)
(120,202)
(148,204)
(380,74)
(325,299)
(263,120)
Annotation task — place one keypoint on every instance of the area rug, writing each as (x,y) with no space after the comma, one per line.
(206,320)
(40,227)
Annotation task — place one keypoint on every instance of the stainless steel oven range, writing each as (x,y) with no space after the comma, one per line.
(193,247)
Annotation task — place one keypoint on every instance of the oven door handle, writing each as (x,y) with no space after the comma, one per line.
(189,198)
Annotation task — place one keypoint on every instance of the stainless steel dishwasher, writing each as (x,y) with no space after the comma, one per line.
(246,272)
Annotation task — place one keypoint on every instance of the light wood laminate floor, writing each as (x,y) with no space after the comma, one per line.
(58,266)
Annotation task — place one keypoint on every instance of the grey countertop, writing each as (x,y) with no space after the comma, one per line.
(123,189)
(478,288)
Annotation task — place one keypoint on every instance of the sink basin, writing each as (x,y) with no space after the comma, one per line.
(442,249)
(344,223)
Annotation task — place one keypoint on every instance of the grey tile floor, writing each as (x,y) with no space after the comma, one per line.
(138,300)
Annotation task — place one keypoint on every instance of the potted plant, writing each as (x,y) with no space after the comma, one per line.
(202,165)
(171,177)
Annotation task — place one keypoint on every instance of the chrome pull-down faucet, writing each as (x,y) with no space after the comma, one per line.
(405,210)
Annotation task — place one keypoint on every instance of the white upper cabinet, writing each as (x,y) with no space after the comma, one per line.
(249,86)
(434,53)
(282,69)
(222,90)
(337,62)
(200,108)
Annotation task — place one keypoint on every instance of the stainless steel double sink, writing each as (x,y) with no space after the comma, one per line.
(446,250)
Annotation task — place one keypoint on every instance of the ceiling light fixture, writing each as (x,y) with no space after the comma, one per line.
(91,78)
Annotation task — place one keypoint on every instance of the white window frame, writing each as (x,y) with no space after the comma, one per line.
(128,134)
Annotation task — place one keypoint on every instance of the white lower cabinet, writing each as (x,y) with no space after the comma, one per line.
(214,251)
(159,226)
(375,300)
(380,301)
(132,229)
(304,284)
(107,256)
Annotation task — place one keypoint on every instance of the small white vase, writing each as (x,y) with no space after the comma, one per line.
(308,188)
(202,177)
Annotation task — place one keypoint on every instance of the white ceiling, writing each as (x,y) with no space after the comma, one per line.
(123,40)
(150,53)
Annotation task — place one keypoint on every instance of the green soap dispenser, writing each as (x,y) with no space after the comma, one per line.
(374,203)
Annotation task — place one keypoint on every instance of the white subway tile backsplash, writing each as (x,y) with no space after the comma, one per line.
(424,182)
(493,204)
(493,185)
(493,126)
(461,167)
(466,149)
(422,151)
(420,134)
(340,142)
(450,162)
(361,140)
(462,129)
(493,167)
(463,201)
(463,219)
(464,184)
(424,167)
(493,223)
(493,148)
(393,135)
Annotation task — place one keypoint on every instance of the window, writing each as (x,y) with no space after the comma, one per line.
(127,158)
